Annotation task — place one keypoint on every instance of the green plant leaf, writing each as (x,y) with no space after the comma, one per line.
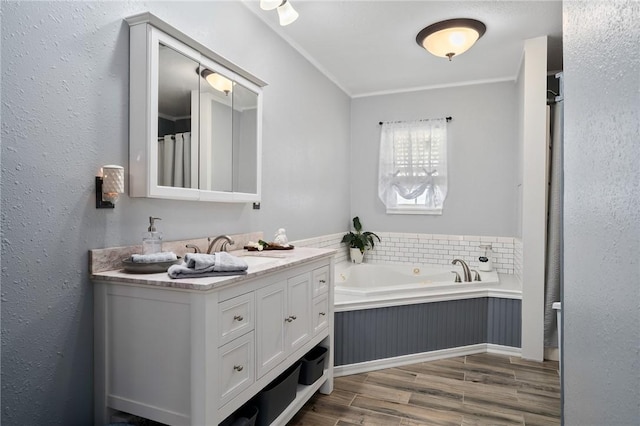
(356,224)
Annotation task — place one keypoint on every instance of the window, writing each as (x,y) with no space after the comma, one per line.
(413,166)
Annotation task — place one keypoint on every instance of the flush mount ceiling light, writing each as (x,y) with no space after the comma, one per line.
(286,13)
(452,37)
(218,81)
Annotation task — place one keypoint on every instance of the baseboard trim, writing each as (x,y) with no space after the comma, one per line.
(503,350)
(379,364)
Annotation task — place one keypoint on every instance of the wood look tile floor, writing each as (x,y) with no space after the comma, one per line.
(481,389)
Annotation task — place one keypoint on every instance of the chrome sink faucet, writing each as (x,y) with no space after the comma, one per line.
(465,269)
(224,245)
(195,248)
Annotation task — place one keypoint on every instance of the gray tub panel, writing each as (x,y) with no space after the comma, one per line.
(370,334)
(504,322)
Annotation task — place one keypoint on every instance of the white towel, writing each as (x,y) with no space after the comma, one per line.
(166,256)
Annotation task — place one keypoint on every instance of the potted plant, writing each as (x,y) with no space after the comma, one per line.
(359,241)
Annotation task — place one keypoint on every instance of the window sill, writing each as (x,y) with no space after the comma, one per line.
(414,210)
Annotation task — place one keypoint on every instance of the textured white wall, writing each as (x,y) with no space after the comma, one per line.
(481,153)
(601,302)
(65,113)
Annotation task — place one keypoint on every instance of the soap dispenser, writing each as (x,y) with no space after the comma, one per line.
(152,239)
(486,260)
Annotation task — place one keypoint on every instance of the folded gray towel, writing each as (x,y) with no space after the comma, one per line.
(181,271)
(166,256)
(226,262)
(208,265)
(218,262)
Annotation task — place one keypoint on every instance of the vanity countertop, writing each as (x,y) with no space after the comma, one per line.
(278,260)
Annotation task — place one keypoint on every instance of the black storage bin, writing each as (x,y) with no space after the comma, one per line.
(244,416)
(312,365)
(272,400)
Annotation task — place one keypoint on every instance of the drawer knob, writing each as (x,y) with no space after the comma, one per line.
(238,367)
(238,318)
(323,313)
(322,281)
(288,319)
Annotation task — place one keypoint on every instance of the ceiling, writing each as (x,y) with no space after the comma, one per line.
(368,47)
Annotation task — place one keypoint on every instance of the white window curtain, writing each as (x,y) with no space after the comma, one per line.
(412,175)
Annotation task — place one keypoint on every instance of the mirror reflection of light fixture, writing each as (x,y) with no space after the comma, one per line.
(109,186)
(286,13)
(269,4)
(218,81)
(451,37)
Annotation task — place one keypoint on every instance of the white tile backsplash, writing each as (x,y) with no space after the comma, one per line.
(442,249)
(326,241)
(429,249)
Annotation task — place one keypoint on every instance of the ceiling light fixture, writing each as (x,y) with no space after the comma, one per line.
(287,13)
(218,81)
(452,37)
(269,4)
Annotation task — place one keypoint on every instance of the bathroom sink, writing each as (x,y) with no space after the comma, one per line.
(254,260)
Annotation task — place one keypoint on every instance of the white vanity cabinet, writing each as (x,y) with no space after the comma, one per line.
(186,356)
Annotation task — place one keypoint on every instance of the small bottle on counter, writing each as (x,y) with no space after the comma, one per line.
(152,239)
(486,260)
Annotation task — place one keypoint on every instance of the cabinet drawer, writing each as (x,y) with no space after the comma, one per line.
(320,313)
(235,317)
(320,280)
(236,367)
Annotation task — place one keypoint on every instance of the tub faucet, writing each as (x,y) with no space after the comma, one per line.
(226,240)
(465,269)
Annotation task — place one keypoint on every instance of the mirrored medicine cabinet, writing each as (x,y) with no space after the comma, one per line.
(194,119)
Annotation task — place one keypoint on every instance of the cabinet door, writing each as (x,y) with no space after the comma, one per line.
(271,313)
(299,311)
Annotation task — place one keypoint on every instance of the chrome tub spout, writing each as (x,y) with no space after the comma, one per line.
(465,269)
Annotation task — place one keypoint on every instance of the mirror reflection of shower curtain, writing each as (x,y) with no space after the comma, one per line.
(553,265)
(174,160)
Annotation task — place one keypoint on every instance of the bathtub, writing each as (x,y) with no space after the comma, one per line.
(391,315)
(368,280)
